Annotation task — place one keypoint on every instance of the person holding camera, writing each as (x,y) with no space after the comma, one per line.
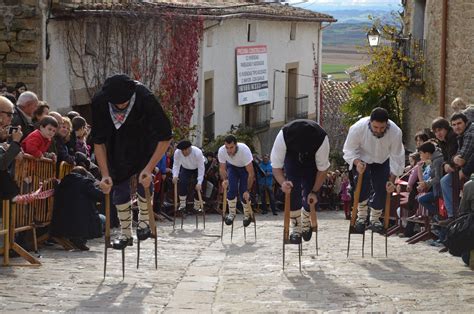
(8,152)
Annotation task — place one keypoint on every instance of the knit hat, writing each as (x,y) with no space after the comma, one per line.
(119,88)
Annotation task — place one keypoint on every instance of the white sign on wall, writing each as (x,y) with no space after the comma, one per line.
(252,74)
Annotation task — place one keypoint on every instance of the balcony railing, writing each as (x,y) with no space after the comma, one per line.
(209,126)
(297,107)
(258,115)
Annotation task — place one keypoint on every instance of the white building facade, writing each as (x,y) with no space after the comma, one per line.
(292,38)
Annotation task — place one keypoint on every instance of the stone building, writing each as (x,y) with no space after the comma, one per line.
(32,50)
(447,29)
(21,50)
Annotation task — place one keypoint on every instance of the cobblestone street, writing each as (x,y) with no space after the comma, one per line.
(199,273)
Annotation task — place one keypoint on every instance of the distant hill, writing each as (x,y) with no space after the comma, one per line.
(352,25)
(345,34)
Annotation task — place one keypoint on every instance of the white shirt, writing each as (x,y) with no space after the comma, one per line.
(279,152)
(242,157)
(195,160)
(362,144)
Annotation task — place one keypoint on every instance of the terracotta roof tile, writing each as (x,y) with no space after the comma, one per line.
(208,10)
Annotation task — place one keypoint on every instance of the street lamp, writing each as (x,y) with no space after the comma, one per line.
(373,36)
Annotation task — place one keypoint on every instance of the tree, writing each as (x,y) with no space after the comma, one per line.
(385,77)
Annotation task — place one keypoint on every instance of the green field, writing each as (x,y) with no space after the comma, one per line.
(336,71)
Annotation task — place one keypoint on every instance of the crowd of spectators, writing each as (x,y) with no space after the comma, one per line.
(444,160)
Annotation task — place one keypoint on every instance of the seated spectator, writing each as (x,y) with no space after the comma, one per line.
(72,114)
(24,109)
(458,105)
(75,214)
(8,152)
(467,207)
(3,89)
(60,139)
(40,112)
(79,131)
(431,183)
(38,142)
(420,138)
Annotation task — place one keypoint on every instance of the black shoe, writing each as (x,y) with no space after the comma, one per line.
(247,220)
(122,242)
(275,214)
(143,233)
(229,219)
(359,226)
(264,212)
(376,227)
(295,238)
(307,235)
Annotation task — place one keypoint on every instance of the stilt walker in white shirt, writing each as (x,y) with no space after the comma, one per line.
(188,166)
(236,171)
(374,146)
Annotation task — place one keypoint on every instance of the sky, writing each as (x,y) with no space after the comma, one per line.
(348,4)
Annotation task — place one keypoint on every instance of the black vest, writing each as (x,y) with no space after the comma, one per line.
(303,138)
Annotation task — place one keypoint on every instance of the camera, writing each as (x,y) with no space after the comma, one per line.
(12,128)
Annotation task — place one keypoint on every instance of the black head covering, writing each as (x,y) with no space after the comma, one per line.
(119,88)
(183,144)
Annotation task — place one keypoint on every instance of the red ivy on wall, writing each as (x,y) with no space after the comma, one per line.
(179,80)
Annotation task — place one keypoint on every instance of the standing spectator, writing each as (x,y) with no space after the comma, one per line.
(266,185)
(20,88)
(465,131)
(24,109)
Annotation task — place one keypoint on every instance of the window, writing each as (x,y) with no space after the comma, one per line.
(257,115)
(293,31)
(419,19)
(251,32)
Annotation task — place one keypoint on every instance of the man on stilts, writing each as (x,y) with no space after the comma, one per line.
(374,146)
(300,160)
(188,167)
(130,132)
(236,172)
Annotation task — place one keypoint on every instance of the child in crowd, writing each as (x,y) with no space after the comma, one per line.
(79,127)
(38,142)
(346,196)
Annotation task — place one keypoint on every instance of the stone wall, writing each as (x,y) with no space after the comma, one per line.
(423,105)
(20,43)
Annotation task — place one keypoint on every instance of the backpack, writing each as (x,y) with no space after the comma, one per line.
(460,235)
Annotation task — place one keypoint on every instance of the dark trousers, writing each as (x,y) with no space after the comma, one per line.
(186,176)
(238,177)
(121,192)
(303,179)
(373,184)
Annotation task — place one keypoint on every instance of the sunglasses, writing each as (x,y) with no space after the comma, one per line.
(8,113)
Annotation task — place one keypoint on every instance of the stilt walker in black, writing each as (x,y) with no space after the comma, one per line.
(300,160)
(130,132)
